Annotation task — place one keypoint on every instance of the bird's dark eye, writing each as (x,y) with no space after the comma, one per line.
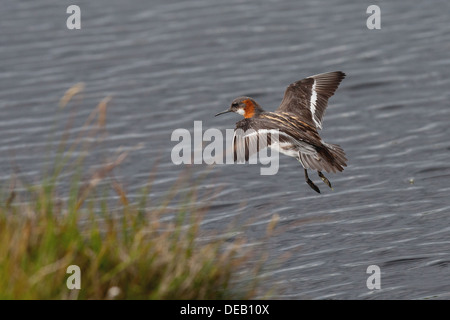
(234,104)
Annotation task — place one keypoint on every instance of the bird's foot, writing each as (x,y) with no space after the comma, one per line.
(312,185)
(325,180)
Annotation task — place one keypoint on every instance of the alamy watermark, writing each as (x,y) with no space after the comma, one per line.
(374,280)
(374,20)
(74,20)
(239,146)
(74,280)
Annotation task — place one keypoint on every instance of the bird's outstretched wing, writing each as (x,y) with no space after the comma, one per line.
(308,98)
(253,135)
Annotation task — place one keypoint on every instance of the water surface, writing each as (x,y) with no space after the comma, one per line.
(168,64)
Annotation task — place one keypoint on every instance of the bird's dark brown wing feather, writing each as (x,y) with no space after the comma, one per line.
(254,134)
(308,98)
(251,136)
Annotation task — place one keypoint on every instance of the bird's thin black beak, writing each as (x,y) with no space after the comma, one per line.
(226,111)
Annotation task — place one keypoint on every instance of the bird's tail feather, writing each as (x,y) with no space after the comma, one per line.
(337,160)
(329,158)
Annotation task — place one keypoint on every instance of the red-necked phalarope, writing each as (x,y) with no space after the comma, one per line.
(296,122)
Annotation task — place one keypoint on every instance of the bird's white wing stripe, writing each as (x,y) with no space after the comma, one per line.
(265,131)
(251,141)
(312,105)
(298,146)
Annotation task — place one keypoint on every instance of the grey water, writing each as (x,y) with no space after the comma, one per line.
(166,64)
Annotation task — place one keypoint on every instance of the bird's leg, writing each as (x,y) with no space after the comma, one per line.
(324,179)
(311,184)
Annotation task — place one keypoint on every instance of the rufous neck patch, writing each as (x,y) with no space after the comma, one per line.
(249,109)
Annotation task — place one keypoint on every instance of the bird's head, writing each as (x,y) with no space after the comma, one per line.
(244,106)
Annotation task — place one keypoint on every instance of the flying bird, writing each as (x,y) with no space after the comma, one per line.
(296,123)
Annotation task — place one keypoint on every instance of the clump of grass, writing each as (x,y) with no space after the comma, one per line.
(125,252)
(128,254)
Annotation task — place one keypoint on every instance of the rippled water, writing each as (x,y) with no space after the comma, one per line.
(167,64)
